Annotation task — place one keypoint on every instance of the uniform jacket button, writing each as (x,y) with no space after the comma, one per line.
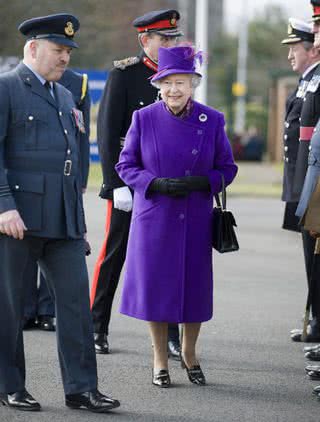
(181,216)
(194,152)
(30,117)
(286,148)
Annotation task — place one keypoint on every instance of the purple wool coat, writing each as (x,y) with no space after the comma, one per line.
(168,275)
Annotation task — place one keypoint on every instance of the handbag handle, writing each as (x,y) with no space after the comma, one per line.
(224,195)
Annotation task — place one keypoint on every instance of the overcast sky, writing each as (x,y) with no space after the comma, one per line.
(294,8)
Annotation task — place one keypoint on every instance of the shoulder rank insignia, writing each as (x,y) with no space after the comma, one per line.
(129,61)
(314,83)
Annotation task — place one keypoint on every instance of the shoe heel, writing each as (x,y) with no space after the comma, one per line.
(73,405)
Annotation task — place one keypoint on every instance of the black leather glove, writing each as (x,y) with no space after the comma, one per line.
(171,187)
(198,183)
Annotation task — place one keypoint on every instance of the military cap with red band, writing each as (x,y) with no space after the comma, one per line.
(163,22)
(316,10)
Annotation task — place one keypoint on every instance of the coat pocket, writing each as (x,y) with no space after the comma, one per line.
(28,191)
(31,129)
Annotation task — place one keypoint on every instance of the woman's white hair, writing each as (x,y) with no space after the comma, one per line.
(195,81)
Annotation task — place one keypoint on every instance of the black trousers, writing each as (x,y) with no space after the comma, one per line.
(63,264)
(312,261)
(39,300)
(108,269)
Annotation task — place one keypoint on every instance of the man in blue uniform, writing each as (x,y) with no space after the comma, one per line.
(128,88)
(41,214)
(39,307)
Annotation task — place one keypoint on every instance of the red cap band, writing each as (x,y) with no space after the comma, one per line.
(164,24)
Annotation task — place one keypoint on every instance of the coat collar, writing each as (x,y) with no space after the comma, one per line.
(30,79)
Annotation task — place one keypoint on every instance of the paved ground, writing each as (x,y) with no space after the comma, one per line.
(254,372)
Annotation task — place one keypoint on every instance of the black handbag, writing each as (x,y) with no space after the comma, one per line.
(224,238)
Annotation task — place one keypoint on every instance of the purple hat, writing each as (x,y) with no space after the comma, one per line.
(173,60)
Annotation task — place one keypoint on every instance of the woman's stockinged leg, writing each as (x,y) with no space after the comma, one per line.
(189,339)
(159,337)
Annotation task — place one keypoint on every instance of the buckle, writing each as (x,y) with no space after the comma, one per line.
(67,167)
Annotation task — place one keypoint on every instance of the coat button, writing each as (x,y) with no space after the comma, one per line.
(287,125)
(314,130)
(287,160)
(285,137)
(68,151)
(310,148)
(203,117)
(299,119)
(17,187)
(30,117)
(194,152)
(60,113)
(141,103)
(199,132)
(286,148)
(66,132)
(181,216)
(187,173)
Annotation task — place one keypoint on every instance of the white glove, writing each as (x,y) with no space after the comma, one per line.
(122,199)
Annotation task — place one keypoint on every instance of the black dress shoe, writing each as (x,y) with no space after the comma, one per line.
(316,390)
(311,348)
(174,350)
(29,323)
(91,400)
(313,355)
(313,371)
(46,323)
(161,378)
(311,338)
(101,344)
(195,374)
(20,400)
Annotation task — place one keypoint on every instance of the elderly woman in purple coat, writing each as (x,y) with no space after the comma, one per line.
(175,153)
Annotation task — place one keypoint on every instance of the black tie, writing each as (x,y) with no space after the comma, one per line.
(49,88)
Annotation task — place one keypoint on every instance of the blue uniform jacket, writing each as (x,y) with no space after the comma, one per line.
(38,141)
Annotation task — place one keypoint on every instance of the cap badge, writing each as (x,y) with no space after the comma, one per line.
(203,117)
(290,29)
(69,29)
(173,21)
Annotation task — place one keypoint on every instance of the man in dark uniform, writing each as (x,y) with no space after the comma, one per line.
(128,88)
(41,214)
(39,309)
(301,56)
(310,114)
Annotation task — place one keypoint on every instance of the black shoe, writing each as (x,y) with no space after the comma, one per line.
(174,350)
(101,344)
(195,374)
(311,348)
(161,378)
(313,371)
(313,355)
(29,323)
(316,390)
(20,400)
(311,338)
(46,323)
(91,400)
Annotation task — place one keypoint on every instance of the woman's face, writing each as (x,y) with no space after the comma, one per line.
(176,90)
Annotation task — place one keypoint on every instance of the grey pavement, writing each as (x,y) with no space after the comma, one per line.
(254,372)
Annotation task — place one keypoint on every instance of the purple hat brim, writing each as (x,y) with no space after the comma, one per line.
(164,73)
